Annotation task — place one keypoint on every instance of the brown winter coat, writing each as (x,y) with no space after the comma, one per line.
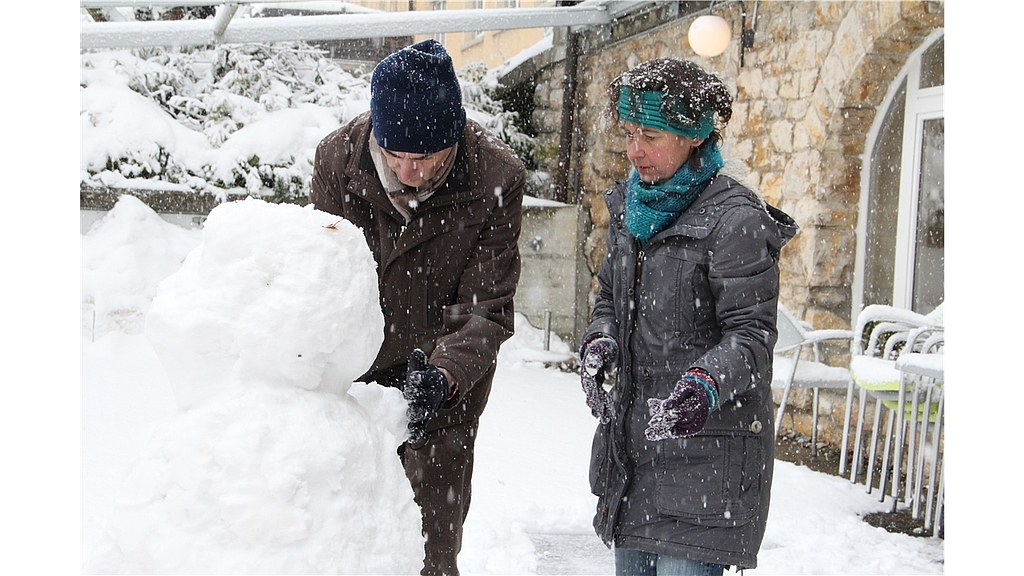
(448,277)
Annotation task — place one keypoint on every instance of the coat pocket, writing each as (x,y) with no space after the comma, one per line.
(678,283)
(711,480)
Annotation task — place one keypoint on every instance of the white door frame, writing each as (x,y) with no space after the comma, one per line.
(921,105)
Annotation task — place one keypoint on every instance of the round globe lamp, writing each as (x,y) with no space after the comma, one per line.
(709,35)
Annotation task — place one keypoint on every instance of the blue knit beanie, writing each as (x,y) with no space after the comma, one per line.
(415,100)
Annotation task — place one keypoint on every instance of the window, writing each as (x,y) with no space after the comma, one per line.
(901,244)
(477,36)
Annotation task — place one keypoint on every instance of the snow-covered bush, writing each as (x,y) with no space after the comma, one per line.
(477,94)
(239,119)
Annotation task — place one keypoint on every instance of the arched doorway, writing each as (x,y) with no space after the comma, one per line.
(901,232)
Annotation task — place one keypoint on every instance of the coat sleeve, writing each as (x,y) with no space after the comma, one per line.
(602,319)
(327,184)
(744,279)
(483,316)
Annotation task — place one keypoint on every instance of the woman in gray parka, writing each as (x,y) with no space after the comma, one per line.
(685,316)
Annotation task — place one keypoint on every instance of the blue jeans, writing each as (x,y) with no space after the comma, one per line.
(639,563)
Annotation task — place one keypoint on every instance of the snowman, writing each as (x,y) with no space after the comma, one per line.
(276,461)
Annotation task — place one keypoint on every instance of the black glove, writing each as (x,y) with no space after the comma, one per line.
(425,390)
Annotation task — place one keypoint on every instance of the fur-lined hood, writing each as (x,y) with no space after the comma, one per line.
(737,170)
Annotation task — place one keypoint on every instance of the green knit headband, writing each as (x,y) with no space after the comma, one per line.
(644,109)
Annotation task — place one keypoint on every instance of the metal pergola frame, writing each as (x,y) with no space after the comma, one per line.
(358,23)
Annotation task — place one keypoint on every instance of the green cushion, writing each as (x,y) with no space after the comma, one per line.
(875,374)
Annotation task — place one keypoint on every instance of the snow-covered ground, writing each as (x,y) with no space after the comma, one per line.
(531,509)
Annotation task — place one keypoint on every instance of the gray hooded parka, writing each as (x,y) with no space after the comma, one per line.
(702,293)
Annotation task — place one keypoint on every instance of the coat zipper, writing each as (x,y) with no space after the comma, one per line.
(612,511)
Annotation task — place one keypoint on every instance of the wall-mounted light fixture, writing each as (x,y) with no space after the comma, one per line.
(709,35)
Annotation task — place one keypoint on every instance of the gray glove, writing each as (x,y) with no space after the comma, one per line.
(597,361)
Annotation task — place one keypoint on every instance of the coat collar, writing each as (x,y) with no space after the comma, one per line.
(700,218)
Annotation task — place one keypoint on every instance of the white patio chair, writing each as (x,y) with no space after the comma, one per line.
(873,367)
(923,374)
(789,371)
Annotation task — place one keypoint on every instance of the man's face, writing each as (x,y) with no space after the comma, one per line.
(415,169)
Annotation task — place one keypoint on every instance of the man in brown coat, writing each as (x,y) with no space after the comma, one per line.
(439,200)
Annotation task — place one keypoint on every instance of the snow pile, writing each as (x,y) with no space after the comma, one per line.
(277,462)
(277,294)
(124,256)
(815,526)
(526,347)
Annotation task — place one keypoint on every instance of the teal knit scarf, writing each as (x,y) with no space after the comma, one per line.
(650,208)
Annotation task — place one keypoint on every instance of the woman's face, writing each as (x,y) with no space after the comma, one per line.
(656,154)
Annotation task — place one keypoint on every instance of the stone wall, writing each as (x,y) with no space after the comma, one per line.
(805,100)
(554,279)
